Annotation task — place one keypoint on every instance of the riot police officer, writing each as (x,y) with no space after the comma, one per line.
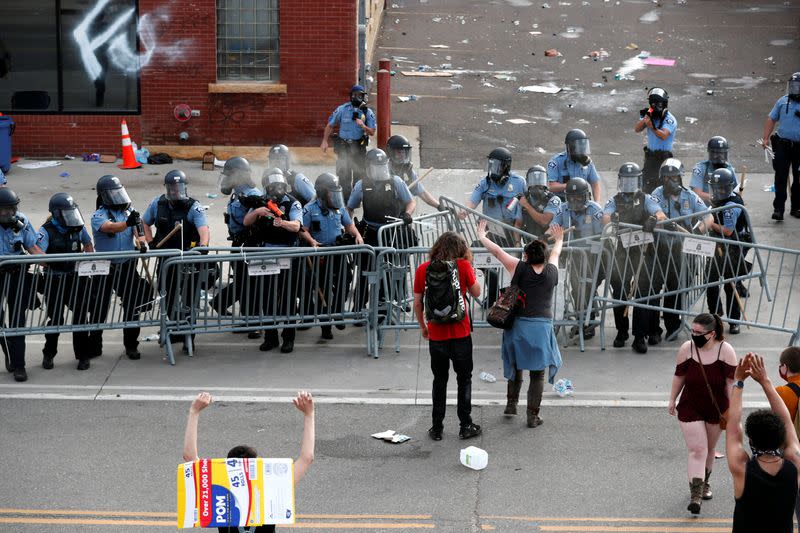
(175,207)
(64,232)
(277,224)
(356,124)
(632,265)
(659,126)
(299,185)
(573,162)
(115,227)
(675,201)
(538,204)
(728,261)
(702,171)
(586,217)
(16,237)
(786,146)
(329,224)
(399,151)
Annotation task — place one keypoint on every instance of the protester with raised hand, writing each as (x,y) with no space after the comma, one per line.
(531,343)
(703,376)
(764,486)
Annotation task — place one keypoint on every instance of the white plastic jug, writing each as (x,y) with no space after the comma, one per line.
(474,458)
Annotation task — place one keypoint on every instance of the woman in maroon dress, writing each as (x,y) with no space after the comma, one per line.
(698,411)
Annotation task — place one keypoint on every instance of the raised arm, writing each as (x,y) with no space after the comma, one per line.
(734,441)
(791,446)
(558,234)
(508,261)
(305,404)
(190,436)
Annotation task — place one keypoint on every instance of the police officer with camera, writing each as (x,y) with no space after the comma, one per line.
(329,224)
(675,201)
(356,124)
(399,151)
(632,265)
(538,204)
(17,236)
(299,185)
(729,259)
(64,232)
(786,146)
(702,171)
(573,162)
(116,226)
(659,126)
(276,224)
(181,224)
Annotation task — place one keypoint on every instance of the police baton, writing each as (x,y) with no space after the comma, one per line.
(735,290)
(743,181)
(143,249)
(176,229)
(419,179)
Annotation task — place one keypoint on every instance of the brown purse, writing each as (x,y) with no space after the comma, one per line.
(723,421)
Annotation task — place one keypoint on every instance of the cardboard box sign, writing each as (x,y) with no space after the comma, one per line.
(235,492)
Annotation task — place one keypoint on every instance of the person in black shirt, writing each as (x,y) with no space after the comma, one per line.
(764,486)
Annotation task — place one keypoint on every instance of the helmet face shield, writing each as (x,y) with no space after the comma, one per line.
(275,185)
(577,202)
(334,199)
(7,214)
(720,191)
(116,198)
(628,184)
(378,171)
(400,156)
(536,178)
(579,148)
(176,192)
(672,185)
(280,161)
(70,217)
(793,87)
(494,169)
(718,156)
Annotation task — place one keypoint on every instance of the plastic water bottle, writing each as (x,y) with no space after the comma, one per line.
(563,387)
(485,376)
(474,458)
(768,188)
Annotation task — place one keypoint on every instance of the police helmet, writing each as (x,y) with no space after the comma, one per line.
(175,183)
(399,150)
(274,183)
(8,205)
(656,96)
(280,157)
(377,165)
(671,174)
(65,211)
(577,193)
(629,178)
(329,191)
(536,176)
(358,95)
(793,86)
(721,184)
(235,173)
(498,165)
(718,150)
(112,194)
(577,145)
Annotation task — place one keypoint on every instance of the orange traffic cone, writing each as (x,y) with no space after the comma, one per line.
(128,158)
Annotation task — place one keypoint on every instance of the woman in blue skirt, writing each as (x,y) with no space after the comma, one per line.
(530,344)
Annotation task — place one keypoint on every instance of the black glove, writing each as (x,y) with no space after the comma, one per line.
(142,248)
(671,226)
(133,219)
(203,251)
(615,218)
(649,224)
(643,112)
(406,218)
(441,207)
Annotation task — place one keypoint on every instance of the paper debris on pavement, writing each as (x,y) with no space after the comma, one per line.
(659,62)
(428,74)
(392,436)
(38,164)
(546,89)
(518,121)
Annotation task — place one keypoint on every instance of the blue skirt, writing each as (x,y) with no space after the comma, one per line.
(531,344)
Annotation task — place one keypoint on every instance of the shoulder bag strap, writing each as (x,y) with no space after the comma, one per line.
(795,388)
(705,378)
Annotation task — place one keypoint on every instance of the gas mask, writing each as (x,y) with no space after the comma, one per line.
(672,186)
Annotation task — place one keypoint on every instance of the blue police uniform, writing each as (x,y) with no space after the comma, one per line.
(348,129)
(703,170)
(729,263)
(111,242)
(236,211)
(3,180)
(687,203)
(402,194)
(43,239)
(561,168)
(295,213)
(325,225)
(786,145)
(650,205)
(18,299)
(529,225)
(586,223)
(196,215)
(670,123)
(656,151)
(301,187)
(496,198)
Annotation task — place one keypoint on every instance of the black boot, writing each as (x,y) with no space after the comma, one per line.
(512,397)
(696,495)
(707,494)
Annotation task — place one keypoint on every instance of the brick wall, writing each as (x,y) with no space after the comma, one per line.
(318,61)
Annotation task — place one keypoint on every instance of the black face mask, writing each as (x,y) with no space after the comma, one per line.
(14,224)
(357,101)
(672,188)
(699,340)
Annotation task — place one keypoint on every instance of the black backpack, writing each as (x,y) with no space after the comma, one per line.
(444,302)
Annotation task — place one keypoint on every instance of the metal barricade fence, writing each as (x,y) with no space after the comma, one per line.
(251,289)
(58,293)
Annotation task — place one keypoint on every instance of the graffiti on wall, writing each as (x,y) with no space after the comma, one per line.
(113,40)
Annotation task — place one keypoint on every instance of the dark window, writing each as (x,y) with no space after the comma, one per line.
(69,56)
(248,35)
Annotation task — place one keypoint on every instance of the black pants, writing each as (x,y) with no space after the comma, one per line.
(134,293)
(183,291)
(351,158)
(327,285)
(70,291)
(726,263)
(460,352)
(535,387)
(279,298)
(16,291)
(581,283)
(625,274)
(666,274)
(652,164)
(787,156)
